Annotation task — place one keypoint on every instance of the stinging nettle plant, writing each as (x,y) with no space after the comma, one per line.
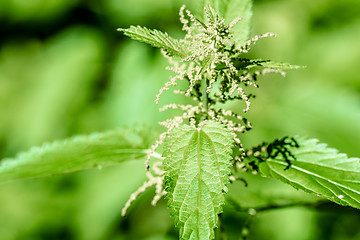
(202,147)
(192,163)
(198,145)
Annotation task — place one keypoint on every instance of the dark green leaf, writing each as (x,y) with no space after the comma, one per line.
(319,170)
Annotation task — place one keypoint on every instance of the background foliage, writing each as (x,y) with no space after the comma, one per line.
(64,70)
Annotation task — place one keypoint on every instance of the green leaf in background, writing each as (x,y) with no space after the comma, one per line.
(157,39)
(78,153)
(46,100)
(197,164)
(319,170)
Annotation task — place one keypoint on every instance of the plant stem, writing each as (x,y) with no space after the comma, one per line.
(239,208)
(205,95)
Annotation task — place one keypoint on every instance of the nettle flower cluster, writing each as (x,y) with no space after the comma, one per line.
(214,64)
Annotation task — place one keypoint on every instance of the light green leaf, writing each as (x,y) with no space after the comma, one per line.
(319,170)
(277,65)
(230,10)
(157,39)
(244,63)
(197,164)
(78,153)
(243,9)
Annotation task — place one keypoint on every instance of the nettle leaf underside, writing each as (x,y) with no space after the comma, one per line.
(78,153)
(197,165)
(319,170)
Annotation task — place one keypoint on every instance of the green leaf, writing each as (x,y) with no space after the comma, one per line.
(197,165)
(319,170)
(78,153)
(277,65)
(243,9)
(244,63)
(157,39)
(230,10)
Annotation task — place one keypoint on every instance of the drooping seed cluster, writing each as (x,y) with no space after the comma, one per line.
(156,178)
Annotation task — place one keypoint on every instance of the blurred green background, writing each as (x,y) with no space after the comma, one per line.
(65,70)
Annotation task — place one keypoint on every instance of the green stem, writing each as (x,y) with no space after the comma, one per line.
(269,207)
(205,95)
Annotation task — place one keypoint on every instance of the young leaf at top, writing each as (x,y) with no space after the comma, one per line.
(319,170)
(157,39)
(197,165)
(230,10)
(239,8)
(77,153)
